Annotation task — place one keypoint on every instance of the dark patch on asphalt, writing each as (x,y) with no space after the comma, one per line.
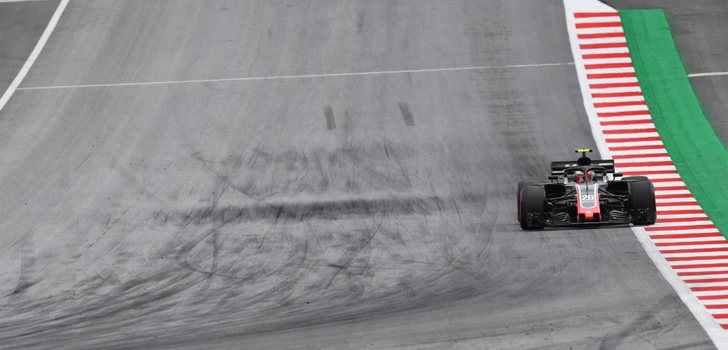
(409,120)
(323,209)
(330,121)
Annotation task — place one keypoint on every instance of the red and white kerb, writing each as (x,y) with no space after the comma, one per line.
(685,244)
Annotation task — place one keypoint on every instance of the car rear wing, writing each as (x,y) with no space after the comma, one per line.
(557,168)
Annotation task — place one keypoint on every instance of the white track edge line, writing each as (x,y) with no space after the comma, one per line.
(34,54)
(302,76)
(709,74)
(705,318)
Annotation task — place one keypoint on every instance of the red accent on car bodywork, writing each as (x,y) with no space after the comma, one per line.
(588,214)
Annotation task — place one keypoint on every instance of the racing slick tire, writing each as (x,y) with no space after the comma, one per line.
(531,200)
(635,178)
(642,196)
(521,185)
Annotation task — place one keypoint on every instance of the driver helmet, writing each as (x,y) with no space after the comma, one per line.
(589,176)
(578,176)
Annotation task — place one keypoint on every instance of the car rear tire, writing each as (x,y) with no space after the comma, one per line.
(635,178)
(642,196)
(532,200)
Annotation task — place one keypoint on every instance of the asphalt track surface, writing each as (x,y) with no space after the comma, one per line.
(699,28)
(21,24)
(366,211)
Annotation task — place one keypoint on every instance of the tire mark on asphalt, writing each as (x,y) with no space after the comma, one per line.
(457,210)
(215,255)
(222,178)
(27,263)
(329,209)
(347,259)
(330,121)
(409,120)
(651,320)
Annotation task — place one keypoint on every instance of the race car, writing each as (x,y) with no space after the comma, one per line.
(586,192)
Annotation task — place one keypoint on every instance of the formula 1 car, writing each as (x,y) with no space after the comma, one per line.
(586,192)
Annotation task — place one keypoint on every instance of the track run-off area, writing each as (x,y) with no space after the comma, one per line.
(685,244)
(309,174)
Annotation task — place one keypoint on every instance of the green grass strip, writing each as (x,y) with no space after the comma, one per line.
(698,153)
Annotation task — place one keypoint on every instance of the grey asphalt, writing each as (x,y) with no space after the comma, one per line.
(21,24)
(699,28)
(367,211)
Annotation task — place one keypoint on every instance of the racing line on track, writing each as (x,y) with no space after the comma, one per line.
(685,245)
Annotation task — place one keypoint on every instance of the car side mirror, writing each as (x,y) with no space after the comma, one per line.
(616,175)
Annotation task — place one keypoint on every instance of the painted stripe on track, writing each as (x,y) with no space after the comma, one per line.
(606,55)
(603,45)
(598,25)
(640,122)
(676,212)
(620,104)
(602,40)
(595,14)
(601,35)
(703,273)
(14,85)
(625,118)
(635,148)
(623,113)
(303,76)
(641,155)
(635,93)
(617,99)
(614,85)
(709,74)
(682,244)
(610,75)
(609,65)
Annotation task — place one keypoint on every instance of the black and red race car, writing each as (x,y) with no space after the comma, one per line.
(586,192)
